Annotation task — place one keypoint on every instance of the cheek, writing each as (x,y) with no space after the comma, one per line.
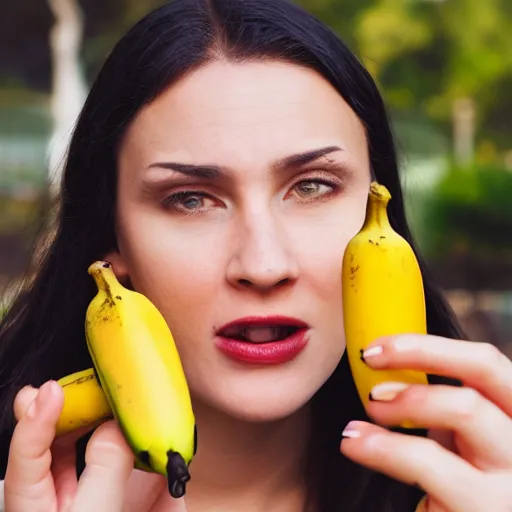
(178,270)
(323,242)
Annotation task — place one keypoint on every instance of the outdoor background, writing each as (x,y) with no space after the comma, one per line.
(445,69)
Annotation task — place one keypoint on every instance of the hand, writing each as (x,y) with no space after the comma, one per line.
(41,471)
(465,464)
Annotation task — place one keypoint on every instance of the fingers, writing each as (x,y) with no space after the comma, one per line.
(148,491)
(143,490)
(23,399)
(477,421)
(64,473)
(28,480)
(109,462)
(422,505)
(64,465)
(166,503)
(478,365)
(416,461)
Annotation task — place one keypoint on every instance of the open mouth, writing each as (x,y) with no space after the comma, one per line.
(259,334)
(263,340)
(262,329)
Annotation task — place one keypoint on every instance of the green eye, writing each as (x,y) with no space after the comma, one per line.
(312,188)
(308,188)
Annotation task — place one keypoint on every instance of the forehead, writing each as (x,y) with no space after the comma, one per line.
(244,112)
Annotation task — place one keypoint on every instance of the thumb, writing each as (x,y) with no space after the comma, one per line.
(166,503)
(148,492)
(109,461)
(144,489)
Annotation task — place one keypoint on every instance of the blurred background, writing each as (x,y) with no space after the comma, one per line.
(444,67)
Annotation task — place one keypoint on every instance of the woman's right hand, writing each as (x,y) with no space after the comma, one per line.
(41,471)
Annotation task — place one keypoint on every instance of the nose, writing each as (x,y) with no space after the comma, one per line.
(263,257)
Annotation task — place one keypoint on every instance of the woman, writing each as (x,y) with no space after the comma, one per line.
(221,163)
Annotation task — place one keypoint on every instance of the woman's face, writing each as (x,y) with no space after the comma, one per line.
(239,189)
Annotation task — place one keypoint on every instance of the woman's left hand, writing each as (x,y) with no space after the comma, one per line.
(465,465)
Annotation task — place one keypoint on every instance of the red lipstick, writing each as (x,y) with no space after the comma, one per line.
(287,338)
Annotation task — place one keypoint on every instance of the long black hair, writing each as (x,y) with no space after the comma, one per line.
(42,334)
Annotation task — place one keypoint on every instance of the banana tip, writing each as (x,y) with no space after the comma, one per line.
(97,266)
(379,191)
(177,474)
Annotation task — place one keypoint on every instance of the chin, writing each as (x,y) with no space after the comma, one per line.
(263,409)
(259,396)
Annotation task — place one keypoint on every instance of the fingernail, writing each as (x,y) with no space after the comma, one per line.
(387,391)
(32,408)
(372,352)
(53,387)
(46,390)
(351,430)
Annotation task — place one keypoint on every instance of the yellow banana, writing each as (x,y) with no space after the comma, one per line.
(85,403)
(142,377)
(382,294)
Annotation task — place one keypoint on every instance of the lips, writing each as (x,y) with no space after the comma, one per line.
(263,340)
(261,329)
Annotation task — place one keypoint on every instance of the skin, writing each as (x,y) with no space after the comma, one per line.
(259,243)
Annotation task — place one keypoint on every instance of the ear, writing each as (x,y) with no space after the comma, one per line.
(119,266)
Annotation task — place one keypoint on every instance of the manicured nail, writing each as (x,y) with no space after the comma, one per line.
(371,352)
(387,391)
(351,430)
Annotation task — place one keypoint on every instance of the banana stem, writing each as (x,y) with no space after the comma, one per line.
(103,276)
(376,207)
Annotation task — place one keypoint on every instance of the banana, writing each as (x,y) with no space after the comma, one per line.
(142,377)
(85,403)
(382,290)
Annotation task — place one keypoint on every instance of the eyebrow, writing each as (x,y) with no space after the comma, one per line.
(214,171)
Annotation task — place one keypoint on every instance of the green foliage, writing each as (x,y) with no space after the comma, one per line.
(388,30)
(480,49)
(426,54)
(470,210)
(423,53)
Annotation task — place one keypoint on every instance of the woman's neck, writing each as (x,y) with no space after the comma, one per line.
(249,466)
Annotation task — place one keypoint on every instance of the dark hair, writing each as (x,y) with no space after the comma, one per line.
(42,335)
